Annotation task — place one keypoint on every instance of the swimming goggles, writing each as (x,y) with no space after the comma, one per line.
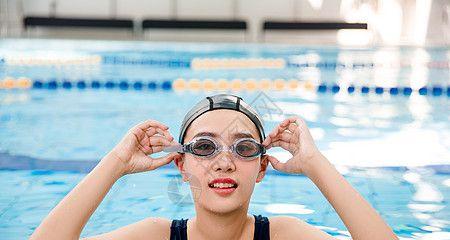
(208,147)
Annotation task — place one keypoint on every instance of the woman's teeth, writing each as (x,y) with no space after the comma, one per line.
(222,185)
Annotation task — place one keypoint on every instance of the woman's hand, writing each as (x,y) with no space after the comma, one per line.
(140,141)
(293,135)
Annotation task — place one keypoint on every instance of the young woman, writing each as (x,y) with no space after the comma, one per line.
(221,153)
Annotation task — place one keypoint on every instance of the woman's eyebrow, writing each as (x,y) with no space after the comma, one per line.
(234,136)
(209,134)
(242,135)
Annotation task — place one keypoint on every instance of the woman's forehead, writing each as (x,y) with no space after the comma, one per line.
(223,123)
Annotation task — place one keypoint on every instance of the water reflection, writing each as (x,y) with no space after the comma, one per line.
(427,202)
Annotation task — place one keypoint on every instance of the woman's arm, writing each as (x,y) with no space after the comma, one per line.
(68,218)
(362,221)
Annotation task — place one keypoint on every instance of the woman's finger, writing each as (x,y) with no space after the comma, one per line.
(146,149)
(292,127)
(156,149)
(269,140)
(151,131)
(285,136)
(138,133)
(157,131)
(287,124)
(294,119)
(279,143)
(165,133)
(276,164)
(266,141)
(158,141)
(151,123)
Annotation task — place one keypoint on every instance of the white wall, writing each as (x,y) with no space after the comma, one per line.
(36,7)
(140,9)
(438,23)
(256,11)
(84,8)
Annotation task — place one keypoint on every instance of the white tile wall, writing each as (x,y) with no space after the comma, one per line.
(83,8)
(139,9)
(329,10)
(205,9)
(258,10)
(36,7)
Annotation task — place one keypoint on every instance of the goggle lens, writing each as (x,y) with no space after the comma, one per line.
(247,148)
(204,147)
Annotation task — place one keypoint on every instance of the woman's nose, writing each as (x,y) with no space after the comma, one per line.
(224,162)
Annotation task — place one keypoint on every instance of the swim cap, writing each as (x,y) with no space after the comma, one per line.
(221,101)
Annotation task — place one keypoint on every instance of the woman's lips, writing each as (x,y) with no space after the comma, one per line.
(224,191)
(223,186)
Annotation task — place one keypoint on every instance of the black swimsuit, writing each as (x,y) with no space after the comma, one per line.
(178,229)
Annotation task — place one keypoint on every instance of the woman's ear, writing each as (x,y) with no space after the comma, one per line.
(179,162)
(263,167)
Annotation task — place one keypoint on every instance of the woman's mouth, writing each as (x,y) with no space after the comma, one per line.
(223,186)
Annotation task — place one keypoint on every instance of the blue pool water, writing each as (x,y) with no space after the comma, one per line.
(394,148)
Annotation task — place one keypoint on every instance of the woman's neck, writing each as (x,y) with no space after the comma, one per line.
(211,225)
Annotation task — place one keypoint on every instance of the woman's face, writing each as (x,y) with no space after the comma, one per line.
(225,126)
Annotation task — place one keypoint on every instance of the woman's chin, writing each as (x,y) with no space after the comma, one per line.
(222,209)
(222,205)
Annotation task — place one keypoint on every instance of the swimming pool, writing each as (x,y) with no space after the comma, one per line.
(380,114)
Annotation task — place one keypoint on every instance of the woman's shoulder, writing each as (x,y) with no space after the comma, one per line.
(285,227)
(157,227)
(153,227)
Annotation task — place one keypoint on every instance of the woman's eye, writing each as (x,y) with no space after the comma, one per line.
(204,146)
(246,149)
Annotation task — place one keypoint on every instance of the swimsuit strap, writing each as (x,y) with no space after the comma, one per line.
(261,228)
(178,230)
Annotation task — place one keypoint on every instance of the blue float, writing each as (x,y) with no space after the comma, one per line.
(393,91)
(322,88)
(37,84)
(52,84)
(123,85)
(351,89)
(67,84)
(110,84)
(95,84)
(335,88)
(407,91)
(166,85)
(423,91)
(436,91)
(365,90)
(379,90)
(137,85)
(81,84)
(151,85)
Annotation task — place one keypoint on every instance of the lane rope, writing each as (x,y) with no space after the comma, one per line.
(194,84)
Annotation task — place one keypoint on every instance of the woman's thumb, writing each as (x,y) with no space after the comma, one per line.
(276,164)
